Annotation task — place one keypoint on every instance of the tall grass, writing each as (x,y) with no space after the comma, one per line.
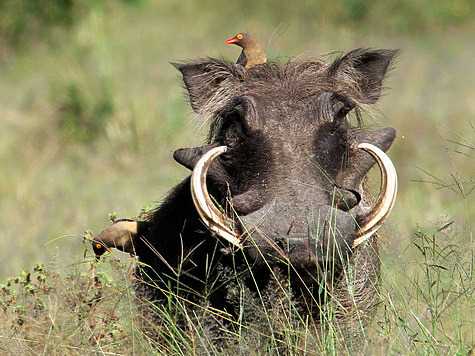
(92,309)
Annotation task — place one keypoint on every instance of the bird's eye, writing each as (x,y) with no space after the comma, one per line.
(98,246)
(239,36)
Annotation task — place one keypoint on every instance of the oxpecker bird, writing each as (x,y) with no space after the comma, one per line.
(252,53)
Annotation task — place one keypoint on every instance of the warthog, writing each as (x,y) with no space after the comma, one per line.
(278,187)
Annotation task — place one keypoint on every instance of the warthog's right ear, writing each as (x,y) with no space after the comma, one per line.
(210,83)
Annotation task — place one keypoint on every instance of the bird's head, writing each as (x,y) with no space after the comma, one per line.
(119,235)
(240,39)
(99,248)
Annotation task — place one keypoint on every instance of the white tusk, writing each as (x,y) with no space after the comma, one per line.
(214,219)
(387,196)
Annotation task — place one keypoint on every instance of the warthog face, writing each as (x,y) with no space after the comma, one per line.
(284,158)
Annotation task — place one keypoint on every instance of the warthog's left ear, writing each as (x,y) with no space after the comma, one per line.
(360,73)
(210,83)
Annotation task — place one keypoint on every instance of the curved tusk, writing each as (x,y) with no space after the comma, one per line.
(387,196)
(214,219)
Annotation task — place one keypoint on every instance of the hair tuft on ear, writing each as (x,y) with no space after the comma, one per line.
(360,73)
(208,82)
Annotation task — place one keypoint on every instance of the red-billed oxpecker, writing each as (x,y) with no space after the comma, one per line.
(252,53)
(119,235)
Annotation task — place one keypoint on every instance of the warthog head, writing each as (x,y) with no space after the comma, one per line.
(284,158)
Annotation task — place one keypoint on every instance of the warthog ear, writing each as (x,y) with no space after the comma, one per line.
(210,83)
(188,157)
(358,162)
(360,73)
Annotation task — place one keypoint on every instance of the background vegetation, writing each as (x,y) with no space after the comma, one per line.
(91,112)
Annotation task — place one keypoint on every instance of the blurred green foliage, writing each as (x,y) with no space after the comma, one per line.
(107,81)
(21,20)
(24,20)
(403,15)
(399,16)
(82,114)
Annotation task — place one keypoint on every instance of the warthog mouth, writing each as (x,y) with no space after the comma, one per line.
(223,226)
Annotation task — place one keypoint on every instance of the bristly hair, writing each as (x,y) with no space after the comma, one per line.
(356,75)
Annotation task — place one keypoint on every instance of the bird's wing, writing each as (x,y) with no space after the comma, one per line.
(242,60)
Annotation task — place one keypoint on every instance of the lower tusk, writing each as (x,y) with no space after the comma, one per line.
(214,219)
(387,196)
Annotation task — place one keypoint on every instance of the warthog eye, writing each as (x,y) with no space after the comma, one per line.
(233,135)
(233,130)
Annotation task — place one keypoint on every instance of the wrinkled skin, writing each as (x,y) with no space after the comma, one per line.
(291,178)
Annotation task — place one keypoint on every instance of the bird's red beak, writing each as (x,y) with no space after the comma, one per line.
(231,40)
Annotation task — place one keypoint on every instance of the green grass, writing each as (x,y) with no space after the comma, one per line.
(54,186)
(91,308)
